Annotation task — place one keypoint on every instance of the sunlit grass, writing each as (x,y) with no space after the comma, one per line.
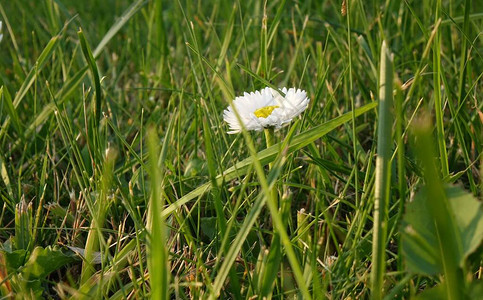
(118,178)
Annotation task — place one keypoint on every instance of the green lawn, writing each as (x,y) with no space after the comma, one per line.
(118,178)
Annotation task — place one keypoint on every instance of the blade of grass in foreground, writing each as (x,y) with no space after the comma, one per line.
(268,155)
(158,264)
(438,206)
(383,173)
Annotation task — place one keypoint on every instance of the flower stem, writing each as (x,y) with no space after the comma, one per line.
(269,133)
(269,138)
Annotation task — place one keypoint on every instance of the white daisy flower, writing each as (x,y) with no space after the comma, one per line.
(265,108)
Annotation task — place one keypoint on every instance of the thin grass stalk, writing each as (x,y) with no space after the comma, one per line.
(264,45)
(353,107)
(383,174)
(462,69)
(161,40)
(459,123)
(438,107)
(121,21)
(86,50)
(401,159)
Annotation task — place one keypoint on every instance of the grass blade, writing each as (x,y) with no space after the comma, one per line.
(158,263)
(383,172)
(438,106)
(438,206)
(126,16)
(86,50)
(7,99)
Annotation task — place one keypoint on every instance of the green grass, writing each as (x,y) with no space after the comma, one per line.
(114,152)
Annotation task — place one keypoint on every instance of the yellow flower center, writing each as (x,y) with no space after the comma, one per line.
(264,112)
